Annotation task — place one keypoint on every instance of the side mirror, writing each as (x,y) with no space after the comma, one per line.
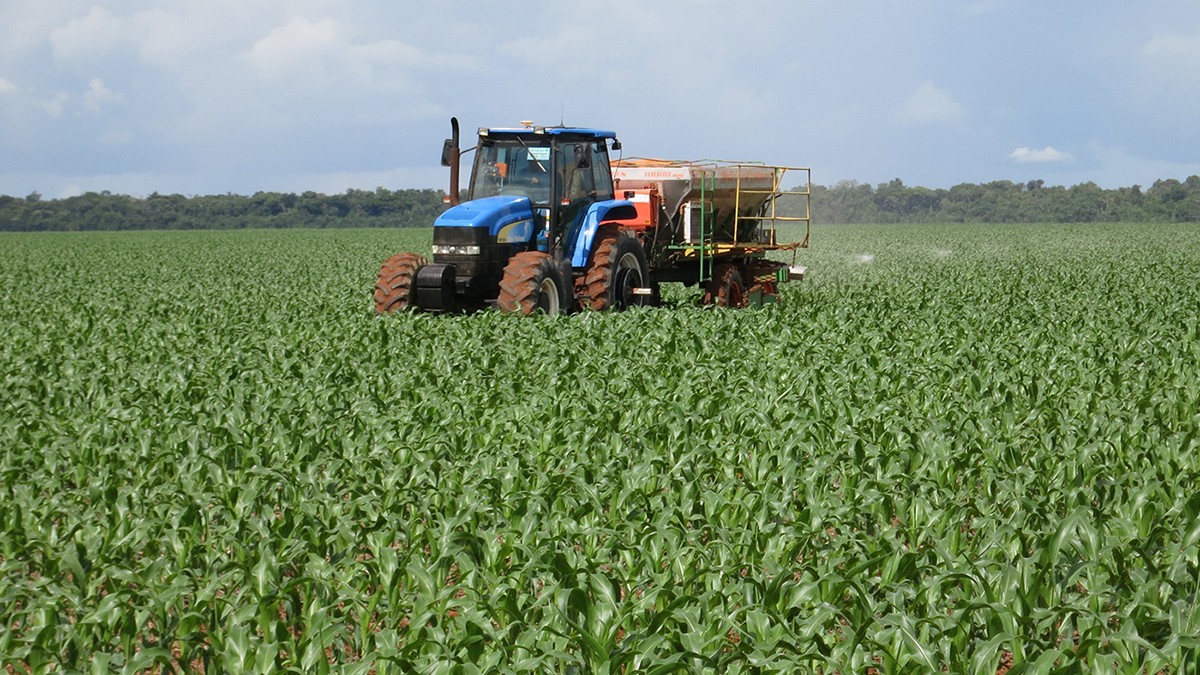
(616,145)
(448,152)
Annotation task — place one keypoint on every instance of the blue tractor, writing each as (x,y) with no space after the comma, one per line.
(538,231)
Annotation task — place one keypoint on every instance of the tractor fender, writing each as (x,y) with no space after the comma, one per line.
(600,212)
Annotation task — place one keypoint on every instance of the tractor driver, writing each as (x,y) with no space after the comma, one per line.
(534,180)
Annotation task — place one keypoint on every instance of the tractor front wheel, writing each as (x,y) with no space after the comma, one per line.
(393,288)
(533,281)
(617,267)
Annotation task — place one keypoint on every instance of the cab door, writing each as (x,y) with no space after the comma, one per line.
(577,182)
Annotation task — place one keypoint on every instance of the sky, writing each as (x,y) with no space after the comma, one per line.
(239,96)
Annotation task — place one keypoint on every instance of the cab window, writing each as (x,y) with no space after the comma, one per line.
(601,172)
(578,181)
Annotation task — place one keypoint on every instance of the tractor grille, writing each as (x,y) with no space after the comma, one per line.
(461,236)
(481,271)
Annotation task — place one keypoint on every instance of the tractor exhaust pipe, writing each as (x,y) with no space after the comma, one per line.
(450,157)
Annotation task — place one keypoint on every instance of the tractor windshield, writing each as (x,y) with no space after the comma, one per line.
(513,167)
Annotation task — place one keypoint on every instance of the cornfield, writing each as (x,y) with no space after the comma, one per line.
(967,449)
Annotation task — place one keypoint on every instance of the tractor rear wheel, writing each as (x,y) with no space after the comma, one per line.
(727,288)
(618,266)
(533,281)
(393,288)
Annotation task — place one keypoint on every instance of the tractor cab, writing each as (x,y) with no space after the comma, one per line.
(559,169)
(532,189)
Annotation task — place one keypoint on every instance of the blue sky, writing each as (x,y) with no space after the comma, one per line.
(216,96)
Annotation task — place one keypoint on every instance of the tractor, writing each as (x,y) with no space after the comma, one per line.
(552,224)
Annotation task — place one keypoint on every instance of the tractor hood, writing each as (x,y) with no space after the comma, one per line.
(508,214)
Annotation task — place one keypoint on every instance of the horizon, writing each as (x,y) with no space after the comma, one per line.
(874,186)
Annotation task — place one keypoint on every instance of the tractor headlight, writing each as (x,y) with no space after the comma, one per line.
(445,249)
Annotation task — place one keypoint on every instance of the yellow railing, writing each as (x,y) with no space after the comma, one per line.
(771,217)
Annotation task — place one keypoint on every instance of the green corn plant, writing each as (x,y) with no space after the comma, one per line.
(956,448)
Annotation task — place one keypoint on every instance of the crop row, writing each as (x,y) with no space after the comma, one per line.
(952,447)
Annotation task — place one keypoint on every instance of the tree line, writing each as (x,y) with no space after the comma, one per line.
(1004,201)
(1001,201)
(107,211)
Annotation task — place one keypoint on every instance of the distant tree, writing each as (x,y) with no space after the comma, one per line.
(847,201)
(1166,199)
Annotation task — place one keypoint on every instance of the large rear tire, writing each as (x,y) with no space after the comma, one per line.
(727,288)
(618,266)
(393,288)
(533,281)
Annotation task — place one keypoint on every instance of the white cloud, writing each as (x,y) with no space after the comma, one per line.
(62,104)
(929,104)
(86,37)
(325,48)
(170,39)
(1040,156)
(294,44)
(1181,46)
(98,95)
(24,25)
(56,106)
(166,38)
